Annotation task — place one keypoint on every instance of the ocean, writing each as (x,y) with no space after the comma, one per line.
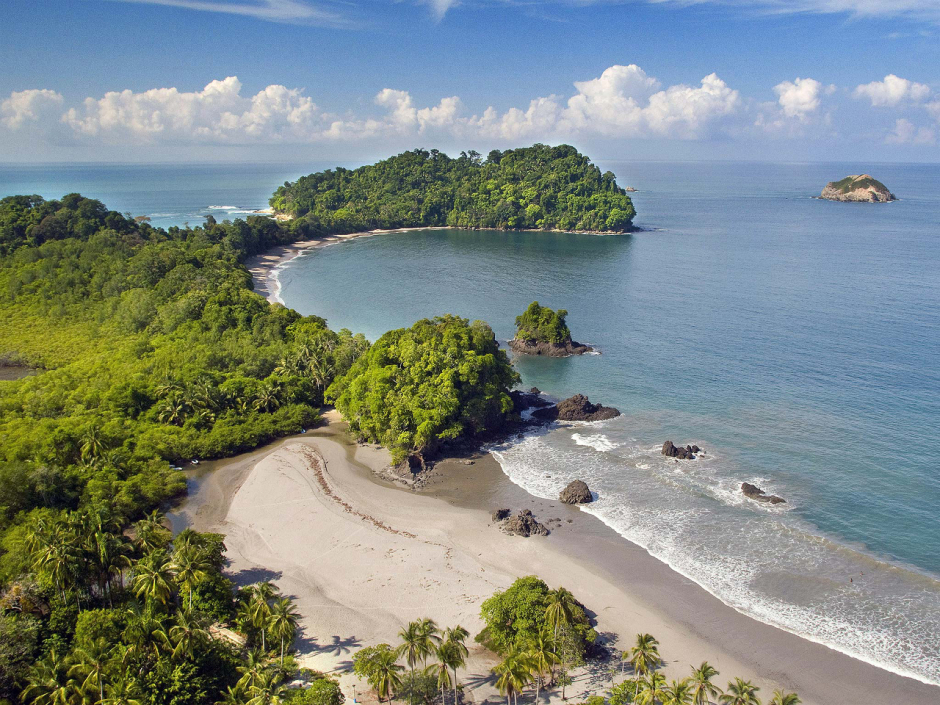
(796,340)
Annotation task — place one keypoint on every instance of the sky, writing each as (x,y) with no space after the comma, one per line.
(357,80)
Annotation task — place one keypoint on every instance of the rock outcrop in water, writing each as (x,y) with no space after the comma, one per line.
(758,495)
(858,188)
(670,450)
(577,492)
(542,331)
(532,347)
(576,408)
(523,524)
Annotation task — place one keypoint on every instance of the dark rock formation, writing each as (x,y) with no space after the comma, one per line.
(756,493)
(858,188)
(501,514)
(535,390)
(524,524)
(576,492)
(672,451)
(577,408)
(531,347)
(528,400)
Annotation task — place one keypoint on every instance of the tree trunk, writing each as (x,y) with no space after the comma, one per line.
(282,651)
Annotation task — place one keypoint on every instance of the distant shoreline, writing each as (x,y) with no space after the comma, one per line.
(264,267)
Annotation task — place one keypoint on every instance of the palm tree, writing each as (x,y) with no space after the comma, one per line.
(151,534)
(455,638)
(386,676)
(740,692)
(679,692)
(781,698)
(283,622)
(560,609)
(190,566)
(417,641)
(441,669)
(231,696)
(153,578)
(49,683)
(702,687)
(187,634)
(645,654)
(267,690)
(514,673)
(91,664)
(431,636)
(93,445)
(123,692)
(652,689)
(260,608)
(145,637)
(252,670)
(58,556)
(542,658)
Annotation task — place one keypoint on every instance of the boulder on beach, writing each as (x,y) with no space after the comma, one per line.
(524,524)
(670,450)
(757,494)
(577,492)
(501,514)
(858,188)
(576,408)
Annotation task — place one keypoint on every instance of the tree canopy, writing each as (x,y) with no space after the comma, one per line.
(152,350)
(516,616)
(538,187)
(416,387)
(541,324)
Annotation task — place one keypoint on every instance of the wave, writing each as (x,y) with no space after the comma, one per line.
(764,562)
(598,442)
(222,208)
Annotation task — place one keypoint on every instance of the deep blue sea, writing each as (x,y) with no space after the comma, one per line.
(796,340)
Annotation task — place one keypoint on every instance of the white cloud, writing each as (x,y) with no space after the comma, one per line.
(905,132)
(30,105)
(216,113)
(288,11)
(892,91)
(800,98)
(625,102)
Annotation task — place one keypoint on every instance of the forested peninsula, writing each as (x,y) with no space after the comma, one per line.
(531,188)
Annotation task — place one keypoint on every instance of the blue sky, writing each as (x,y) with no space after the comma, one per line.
(114,80)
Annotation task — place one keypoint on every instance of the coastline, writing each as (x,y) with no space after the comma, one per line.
(362,556)
(265,267)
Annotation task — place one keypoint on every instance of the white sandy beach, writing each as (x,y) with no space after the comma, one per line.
(362,558)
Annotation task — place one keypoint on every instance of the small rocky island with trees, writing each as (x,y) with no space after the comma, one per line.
(542,331)
(858,188)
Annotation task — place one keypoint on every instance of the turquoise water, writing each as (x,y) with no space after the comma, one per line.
(797,340)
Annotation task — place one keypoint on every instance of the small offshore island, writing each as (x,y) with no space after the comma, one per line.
(542,331)
(858,188)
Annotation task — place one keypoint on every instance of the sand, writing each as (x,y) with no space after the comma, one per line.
(362,557)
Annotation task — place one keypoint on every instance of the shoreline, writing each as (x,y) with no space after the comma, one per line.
(626,588)
(265,267)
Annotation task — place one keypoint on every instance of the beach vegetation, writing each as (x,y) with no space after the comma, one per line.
(535,188)
(540,324)
(419,387)
(740,692)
